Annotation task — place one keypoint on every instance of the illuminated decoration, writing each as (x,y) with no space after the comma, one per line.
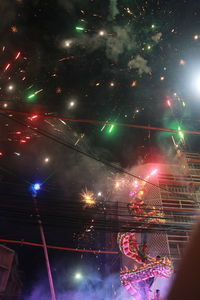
(132,279)
(88,198)
(137,281)
(162,267)
(153,26)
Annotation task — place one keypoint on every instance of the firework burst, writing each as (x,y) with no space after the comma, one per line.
(88,198)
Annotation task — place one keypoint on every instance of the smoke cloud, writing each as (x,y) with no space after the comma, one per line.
(139,63)
(8,10)
(92,287)
(119,42)
(113,9)
(115,45)
(70,5)
(156,38)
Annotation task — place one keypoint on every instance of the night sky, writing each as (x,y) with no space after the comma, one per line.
(131,62)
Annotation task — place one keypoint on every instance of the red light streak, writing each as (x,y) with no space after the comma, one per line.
(18,55)
(7,67)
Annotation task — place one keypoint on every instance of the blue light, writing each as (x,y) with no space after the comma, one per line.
(36,187)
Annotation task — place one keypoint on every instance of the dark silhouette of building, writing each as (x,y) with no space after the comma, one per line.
(10,284)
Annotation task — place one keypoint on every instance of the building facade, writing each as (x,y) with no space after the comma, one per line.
(174,191)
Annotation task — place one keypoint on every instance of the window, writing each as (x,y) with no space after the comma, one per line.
(174,249)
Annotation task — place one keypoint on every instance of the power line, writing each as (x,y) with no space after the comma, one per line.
(70,146)
(98,122)
(59,247)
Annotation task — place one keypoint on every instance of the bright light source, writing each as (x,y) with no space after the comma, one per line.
(182,62)
(111,128)
(169,103)
(78,276)
(197,83)
(180,132)
(78,28)
(36,187)
(46,160)
(88,198)
(71,104)
(31,96)
(33,117)
(134,83)
(101,33)
(196,37)
(10,87)
(154,172)
(67,43)
(99,194)
(5,105)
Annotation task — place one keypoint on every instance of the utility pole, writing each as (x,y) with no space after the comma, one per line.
(35,188)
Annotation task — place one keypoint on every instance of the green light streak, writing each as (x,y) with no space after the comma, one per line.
(31,96)
(180,133)
(111,128)
(79,28)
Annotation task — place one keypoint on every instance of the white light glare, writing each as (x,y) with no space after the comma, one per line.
(78,276)
(10,87)
(101,33)
(67,43)
(46,160)
(196,83)
(71,104)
